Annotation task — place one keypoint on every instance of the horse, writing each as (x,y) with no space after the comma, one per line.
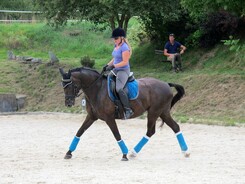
(155,97)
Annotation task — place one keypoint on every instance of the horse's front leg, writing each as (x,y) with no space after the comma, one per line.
(86,124)
(113,126)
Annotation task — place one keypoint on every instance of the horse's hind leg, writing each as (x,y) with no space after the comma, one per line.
(151,129)
(86,124)
(166,117)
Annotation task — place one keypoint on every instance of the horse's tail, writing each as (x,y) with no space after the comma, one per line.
(180,93)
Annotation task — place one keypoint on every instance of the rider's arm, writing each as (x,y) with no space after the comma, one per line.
(111,62)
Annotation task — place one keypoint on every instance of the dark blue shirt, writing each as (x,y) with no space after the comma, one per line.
(172,49)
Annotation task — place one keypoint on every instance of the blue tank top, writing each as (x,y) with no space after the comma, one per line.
(117,55)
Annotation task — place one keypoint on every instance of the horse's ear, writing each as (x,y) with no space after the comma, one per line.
(69,73)
(62,71)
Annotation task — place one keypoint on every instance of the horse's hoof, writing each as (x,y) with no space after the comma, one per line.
(186,154)
(124,158)
(133,155)
(68,156)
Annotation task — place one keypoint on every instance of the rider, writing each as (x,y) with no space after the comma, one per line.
(120,66)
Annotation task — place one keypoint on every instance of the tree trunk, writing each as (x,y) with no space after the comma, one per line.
(121,21)
(126,20)
(112,23)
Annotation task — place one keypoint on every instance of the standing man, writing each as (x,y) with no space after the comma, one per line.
(171,51)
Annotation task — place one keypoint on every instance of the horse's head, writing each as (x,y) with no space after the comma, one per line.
(70,86)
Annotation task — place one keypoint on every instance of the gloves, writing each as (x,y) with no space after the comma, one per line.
(109,67)
(104,68)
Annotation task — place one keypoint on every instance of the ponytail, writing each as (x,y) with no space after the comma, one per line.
(126,41)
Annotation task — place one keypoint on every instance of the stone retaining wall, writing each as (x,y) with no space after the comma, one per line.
(11,102)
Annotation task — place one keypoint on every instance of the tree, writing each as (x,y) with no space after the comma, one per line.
(164,18)
(16,5)
(115,13)
(199,9)
(216,19)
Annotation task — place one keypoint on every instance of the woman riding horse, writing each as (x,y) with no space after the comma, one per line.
(120,66)
(155,97)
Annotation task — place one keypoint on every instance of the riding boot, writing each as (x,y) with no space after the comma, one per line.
(125,102)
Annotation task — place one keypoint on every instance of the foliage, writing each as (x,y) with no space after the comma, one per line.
(193,39)
(236,46)
(115,13)
(87,62)
(219,25)
(199,9)
(16,5)
(168,18)
(213,19)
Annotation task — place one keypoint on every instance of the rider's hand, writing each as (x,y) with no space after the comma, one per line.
(110,67)
(104,68)
(182,52)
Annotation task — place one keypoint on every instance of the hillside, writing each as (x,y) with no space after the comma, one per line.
(214,81)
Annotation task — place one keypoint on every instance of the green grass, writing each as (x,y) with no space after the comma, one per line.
(38,39)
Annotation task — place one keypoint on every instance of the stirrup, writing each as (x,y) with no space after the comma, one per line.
(128,113)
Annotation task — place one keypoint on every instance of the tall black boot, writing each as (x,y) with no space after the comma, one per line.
(125,102)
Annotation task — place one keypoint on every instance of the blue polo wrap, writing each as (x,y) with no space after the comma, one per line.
(140,145)
(74,143)
(181,141)
(123,146)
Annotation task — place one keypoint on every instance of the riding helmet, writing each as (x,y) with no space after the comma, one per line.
(118,32)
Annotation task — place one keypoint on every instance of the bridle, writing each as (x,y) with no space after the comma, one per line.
(68,82)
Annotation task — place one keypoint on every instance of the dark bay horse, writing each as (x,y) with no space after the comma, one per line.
(155,97)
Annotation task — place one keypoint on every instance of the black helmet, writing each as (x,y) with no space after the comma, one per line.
(118,32)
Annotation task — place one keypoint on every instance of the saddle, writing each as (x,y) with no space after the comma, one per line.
(131,88)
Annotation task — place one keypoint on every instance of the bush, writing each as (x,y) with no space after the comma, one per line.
(218,26)
(87,62)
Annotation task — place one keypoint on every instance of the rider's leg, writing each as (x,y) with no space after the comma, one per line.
(122,77)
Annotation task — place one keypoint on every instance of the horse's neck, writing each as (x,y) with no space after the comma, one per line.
(90,84)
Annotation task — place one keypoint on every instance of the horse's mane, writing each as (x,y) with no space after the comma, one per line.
(79,69)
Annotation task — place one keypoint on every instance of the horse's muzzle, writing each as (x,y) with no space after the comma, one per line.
(69,102)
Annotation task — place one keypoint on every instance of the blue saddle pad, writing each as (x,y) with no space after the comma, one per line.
(132,89)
